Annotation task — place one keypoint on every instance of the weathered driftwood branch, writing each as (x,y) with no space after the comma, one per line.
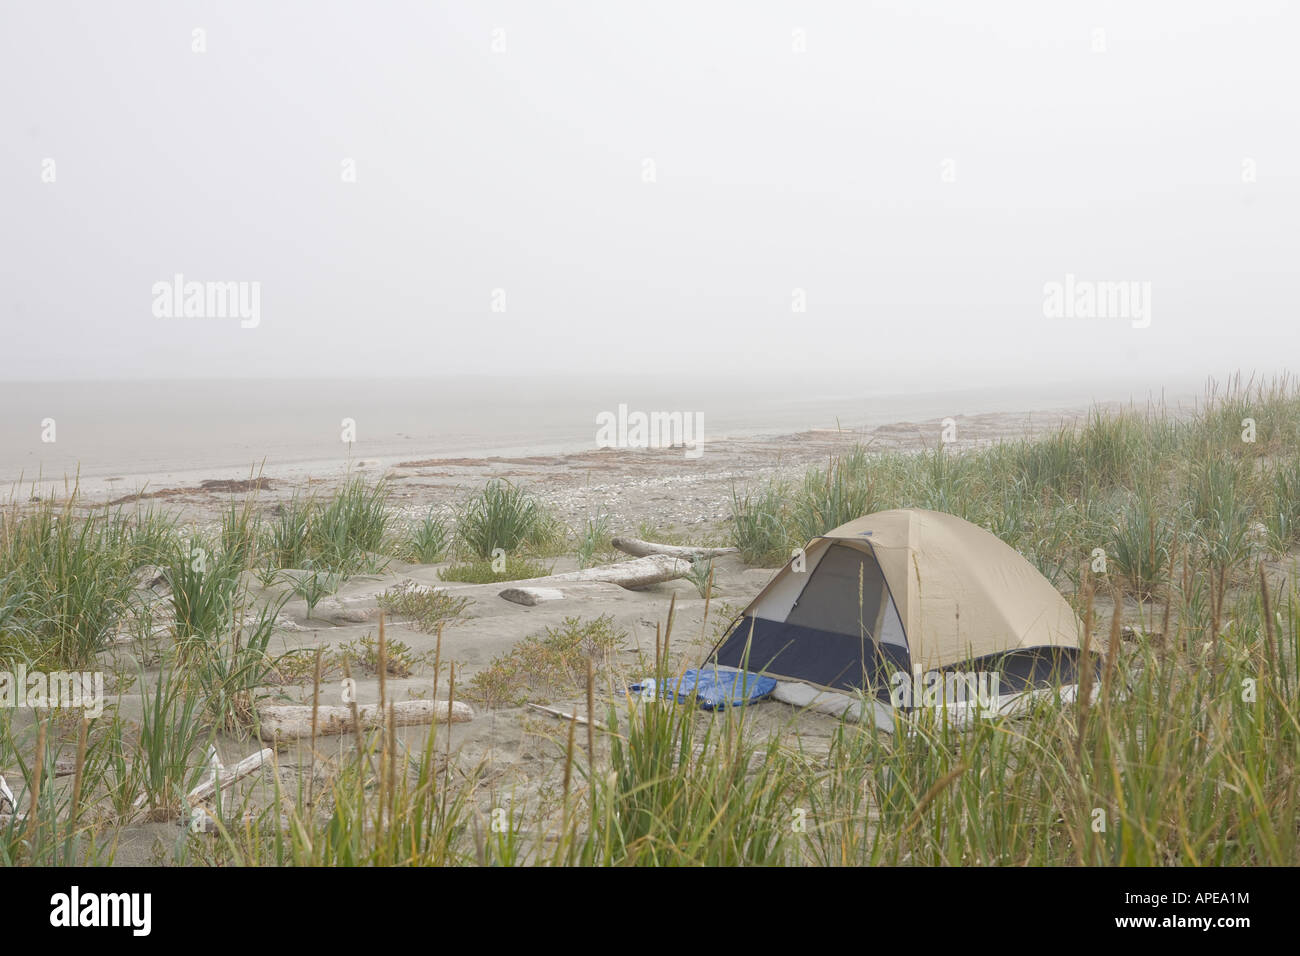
(294,720)
(638,573)
(7,798)
(641,549)
(555,712)
(223,777)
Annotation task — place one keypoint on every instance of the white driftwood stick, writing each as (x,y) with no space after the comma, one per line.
(224,776)
(554,712)
(294,720)
(7,798)
(641,549)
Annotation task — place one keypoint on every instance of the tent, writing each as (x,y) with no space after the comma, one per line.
(902,602)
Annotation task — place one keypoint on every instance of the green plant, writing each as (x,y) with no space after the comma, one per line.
(593,539)
(1109,447)
(1222,515)
(267,575)
(399,659)
(501,516)
(203,585)
(685,787)
(288,542)
(67,579)
(758,525)
(314,585)
(351,523)
(231,666)
(483,572)
(834,496)
(169,743)
(151,536)
(428,607)
(1050,463)
(701,575)
(1283,517)
(548,664)
(427,541)
(240,527)
(1141,545)
(13,603)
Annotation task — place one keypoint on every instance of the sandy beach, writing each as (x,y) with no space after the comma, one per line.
(508,749)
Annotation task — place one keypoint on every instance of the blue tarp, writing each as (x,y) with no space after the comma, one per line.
(714,689)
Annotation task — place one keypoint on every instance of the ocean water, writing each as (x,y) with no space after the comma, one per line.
(104,429)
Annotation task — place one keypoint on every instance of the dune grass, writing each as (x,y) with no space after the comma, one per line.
(505,517)
(427,540)
(343,534)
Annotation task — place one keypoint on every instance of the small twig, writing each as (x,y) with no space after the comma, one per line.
(561,714)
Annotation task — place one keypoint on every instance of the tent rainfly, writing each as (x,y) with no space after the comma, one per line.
(875,604)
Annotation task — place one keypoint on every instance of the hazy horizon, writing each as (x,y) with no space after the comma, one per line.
(422,190)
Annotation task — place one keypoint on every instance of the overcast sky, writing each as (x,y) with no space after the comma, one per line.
(649,184)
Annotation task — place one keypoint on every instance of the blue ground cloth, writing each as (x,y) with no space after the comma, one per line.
(714,689)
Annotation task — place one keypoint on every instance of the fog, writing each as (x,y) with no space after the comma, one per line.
(670,189)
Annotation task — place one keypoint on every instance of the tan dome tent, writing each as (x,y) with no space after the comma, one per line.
(876,603)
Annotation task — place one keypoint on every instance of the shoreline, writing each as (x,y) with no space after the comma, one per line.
(630,485)
(120,441)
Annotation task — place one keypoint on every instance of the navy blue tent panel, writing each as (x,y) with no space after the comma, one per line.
(825,658)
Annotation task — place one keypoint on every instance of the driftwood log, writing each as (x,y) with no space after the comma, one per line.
(639,573)
(641,549)
(294,720)
(223,777)
(532,596)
